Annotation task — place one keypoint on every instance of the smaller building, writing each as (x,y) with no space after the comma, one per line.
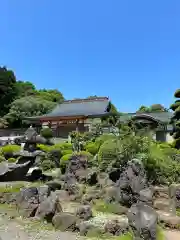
(159,122)
(77,114)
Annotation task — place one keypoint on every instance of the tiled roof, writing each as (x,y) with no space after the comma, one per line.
(159,116)
(81,107)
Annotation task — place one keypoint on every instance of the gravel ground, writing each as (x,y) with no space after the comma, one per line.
(12,230)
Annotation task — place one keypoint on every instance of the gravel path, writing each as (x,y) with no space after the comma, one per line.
(12,230)
(172,235)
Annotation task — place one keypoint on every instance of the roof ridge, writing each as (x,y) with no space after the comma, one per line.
(86,100)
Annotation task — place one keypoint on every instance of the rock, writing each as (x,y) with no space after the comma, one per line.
(146,196)
(174,190)
(27,201)
(64,221)
(91,194)
(35,175)
(161,192)
(43,192)
(55,156)
(76,163)
(143,221)
(104,180)
(110,194)
(92,178)
(116,228)
(132,185)
(62,195)
(8,198)
(168,219)
(84,227)
(54,185)
(13,171)
(162,204)
(114,174)
(48,208)
(84,212)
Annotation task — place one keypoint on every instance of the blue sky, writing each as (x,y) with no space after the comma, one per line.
(125,49)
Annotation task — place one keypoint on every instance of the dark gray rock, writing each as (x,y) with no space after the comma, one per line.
(132,184)
(13,171)
(143,221)
(84,212)
(27,201)
(92,178)
(54,185)
(48,208)
(116,228)
(65,221)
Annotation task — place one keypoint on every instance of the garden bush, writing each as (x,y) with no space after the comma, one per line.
(46,133)
(12,160)
(117,152)
(46,163)
(2,158)
(92,147)
(160,167)
(10,148)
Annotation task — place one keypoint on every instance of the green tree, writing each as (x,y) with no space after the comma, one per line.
(52,95)
(143,109)
(7,89)
(157,108)
(176,119)
(24,89)
(27,107)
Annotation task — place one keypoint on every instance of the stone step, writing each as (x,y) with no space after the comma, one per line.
(162,204)
(169,220)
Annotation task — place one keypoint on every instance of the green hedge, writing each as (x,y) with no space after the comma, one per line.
(10,148)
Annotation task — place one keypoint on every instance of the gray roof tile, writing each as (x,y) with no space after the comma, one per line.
(82,107)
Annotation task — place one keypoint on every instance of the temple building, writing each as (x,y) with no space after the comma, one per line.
(77,114)
(158,123)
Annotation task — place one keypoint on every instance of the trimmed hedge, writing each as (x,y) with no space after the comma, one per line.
(11,148)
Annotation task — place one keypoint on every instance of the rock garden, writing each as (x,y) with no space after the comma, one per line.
(98,186)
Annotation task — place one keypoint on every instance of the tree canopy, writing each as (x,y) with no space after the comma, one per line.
(153,108)
(175,107)
(7,89)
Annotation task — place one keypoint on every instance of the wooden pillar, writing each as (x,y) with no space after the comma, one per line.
(77,125)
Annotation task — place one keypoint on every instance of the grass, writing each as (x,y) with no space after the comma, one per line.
(101,206)
(15,187)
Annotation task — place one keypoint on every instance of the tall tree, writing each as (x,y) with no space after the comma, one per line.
(7,89)
(176,119)
(27,107)
(52,95)
(24,89)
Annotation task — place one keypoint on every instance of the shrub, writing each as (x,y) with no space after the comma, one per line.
(117,152)
(11,160)
(105,137)
(46,164)
(92,147)
(67,151)
(64,162)
(2,159)
(58,146)
(160,167)
(46,133)
(10,148)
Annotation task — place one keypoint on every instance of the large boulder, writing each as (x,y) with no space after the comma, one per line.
(65,221)
(143,221)
(48,208)
(132,185)
(13,171)
(27,201)
(84,212)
